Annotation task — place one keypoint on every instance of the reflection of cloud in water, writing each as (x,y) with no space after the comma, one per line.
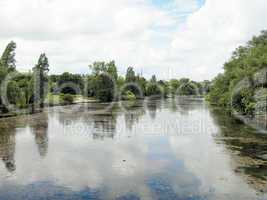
(89,164)
(200,155)
(170,156)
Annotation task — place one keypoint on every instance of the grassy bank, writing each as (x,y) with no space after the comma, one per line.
(50,101)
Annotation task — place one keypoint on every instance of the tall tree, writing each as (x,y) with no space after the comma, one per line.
(7,64)
(153,89)
(8,60)
(98,68)
(112,70)
(102,83)
(174,85)
(105,88)
(154,79)
(130,75)
(40,76)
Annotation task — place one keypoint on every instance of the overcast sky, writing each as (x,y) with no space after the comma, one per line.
(169,38)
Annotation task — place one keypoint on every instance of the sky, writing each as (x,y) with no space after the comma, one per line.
(169,38)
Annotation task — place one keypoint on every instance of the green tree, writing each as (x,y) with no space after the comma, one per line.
(40,75)
(153,88)
(135,83)
(142,83)
(174,85)
(189,88)
(153,79)
(120,82)
(8,64)
(205,85)
(8,60)
(130,75)
(112,70)
(98,68)
(73,83)
(244,63)
(105,88)
(165,87)
(102,83)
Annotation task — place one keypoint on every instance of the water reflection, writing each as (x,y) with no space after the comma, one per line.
(156,149)
(39,129)
(188,104)
(250,146)
(133,112)
(7,148)
(153,106)
(104,126)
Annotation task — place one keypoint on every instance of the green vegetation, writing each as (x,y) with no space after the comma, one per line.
(185,87)
(53,99)
(239,87)
(66,83)
(66,98)
(19,88)
(40,80)
(153,88)
(242,78)
(128,95)
(35,89)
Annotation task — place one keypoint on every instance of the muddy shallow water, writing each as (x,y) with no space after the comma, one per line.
(154,149)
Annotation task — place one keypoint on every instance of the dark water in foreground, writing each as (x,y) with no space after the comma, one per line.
(154,149)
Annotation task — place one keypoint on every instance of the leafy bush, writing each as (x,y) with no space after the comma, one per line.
(129,96)
(243,101)
(153,90)
(188,89)
(66,98)
(105,89)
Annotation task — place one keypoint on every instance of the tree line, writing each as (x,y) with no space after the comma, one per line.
(29,90)
(242,86)
(22,89)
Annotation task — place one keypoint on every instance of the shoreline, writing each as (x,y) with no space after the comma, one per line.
(28,111)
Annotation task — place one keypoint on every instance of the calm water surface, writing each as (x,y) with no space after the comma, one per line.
(153,149)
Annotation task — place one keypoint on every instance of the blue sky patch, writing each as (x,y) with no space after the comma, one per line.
(170,4)
(179,10)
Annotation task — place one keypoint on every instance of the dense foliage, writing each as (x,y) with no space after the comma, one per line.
(18,89)
(238,85)
(66,83)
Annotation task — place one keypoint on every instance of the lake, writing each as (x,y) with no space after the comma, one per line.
(152,149)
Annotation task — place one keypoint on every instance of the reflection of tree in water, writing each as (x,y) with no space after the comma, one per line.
(172,104)
(39,127)
(153,106)
(104,125)
(251,146)
(133,113)
(68,118)
(103,120)
(7,148)
(8,128)
(94,120)
(187,104)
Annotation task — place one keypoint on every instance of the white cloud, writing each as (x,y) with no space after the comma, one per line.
(212,33)
(133,32)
